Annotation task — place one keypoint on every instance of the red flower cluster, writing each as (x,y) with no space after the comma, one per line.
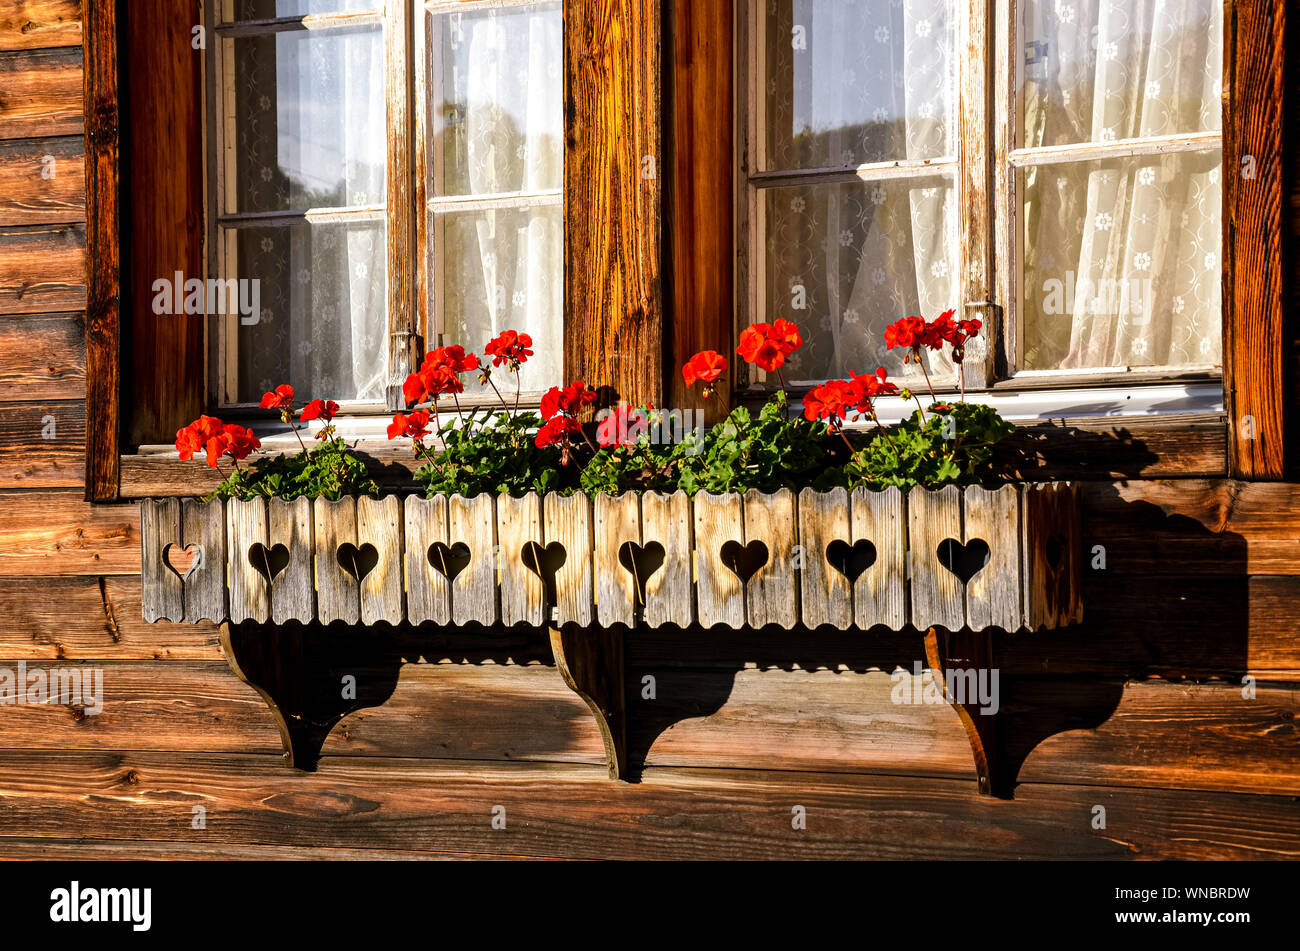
(914,333)
(209,434)
(280,398)
(511,348)
(705,367)
(560,408)
(622,427)
(415,425)
(832,401)
(768,345)
(439,374)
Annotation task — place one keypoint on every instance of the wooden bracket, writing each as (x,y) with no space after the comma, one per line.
(590,660)
(970,650)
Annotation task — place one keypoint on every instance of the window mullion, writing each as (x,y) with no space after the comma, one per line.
(403,345)
(974,283)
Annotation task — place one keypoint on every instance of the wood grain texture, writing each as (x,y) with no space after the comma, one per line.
(36,24)
(293,594)
(428,590)
(41,93)
(103,254)
(938,595)
(42,269)
(772,594)
(668,520)
(619,592)
(338,596)
(42,358)
(567,521)
(42,445)
(399,40)
(701,223)
(995,595)
(519,522)
(612,220)
(162,215)
(474,593)
(976,257)
(1255,342)
(42,181)
(881,593)
(162,590)
(379,523)
(719,594)
(247,532)
(1053,555)
(826,594)
(61,535)
(204,524)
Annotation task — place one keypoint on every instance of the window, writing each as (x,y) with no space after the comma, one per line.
(1103,152)
(317,156)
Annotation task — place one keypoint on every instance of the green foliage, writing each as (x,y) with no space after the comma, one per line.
(768,453)
(646,466)
(328,470)
(493,452)
(952,446)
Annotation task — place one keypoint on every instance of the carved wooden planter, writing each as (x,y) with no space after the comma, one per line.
(1007,558)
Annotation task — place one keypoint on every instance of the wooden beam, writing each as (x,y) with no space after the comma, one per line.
(701,218)
(613,170)
(42,93)
(1254,118)
(403,253)
(40,24)
(103,292)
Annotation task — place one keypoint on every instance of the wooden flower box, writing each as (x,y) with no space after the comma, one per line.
(1009,558)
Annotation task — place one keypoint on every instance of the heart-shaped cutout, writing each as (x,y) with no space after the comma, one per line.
(851,560)
(182,560)
(545,563)
(744,560)
(965,561)
(268,562)
(449,560)
(641,561)
(1054,550)
(358,562)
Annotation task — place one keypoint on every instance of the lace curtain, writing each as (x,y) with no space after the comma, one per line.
(850,84)
(1121,257)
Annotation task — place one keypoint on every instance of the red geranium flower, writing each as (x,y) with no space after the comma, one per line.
(453,358)
(194,437)
(706,366)
(510,347)
(939,331)
(237,442)
(415,425)
(906,332)
(768,345)
(280,398)
(869,386)
(568,400)
(319,409)
(557,430)
(621,428)
(434,379)
(830,401)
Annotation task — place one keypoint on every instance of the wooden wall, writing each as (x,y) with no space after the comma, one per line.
(1140,711)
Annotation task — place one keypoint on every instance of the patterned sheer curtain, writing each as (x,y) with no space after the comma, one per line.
(850,85)
(1121,256)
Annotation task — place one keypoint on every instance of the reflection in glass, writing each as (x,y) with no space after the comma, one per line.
(309,120)
(323,324)
(271,9)
(853,83)
(844,261)
(496,87)
(1121,262)
(1103,70)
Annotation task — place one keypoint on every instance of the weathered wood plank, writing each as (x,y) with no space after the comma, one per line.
(772,594)
(42,445)
(42,358)
(474,592)
(41,93)
(293,595)
(379,525)
(429,561)
(880,595)
(612,226)
(1053,555)
(825,588)
(938,595)
(567,521)
(620,588)
(339,561)
(42,269)
(719,593)
(162,589)
(668,521)
(519,526)
(42,181)
(57,533)
(995,596)
(37,24)
(204,524)
(252,560)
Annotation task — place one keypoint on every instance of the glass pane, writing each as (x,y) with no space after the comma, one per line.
(1121,262)
(503,270)
(851,83)
(323,324)
(1101,70)
(844,261)
(308,120)
(495,79)
(271,9)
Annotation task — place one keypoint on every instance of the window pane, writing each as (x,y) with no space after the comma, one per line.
(849,84)
(271,9)
(1101,70)
(308,125)
(323,325)
(1121,262)
(495,94)
(503,270)
(843,261)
